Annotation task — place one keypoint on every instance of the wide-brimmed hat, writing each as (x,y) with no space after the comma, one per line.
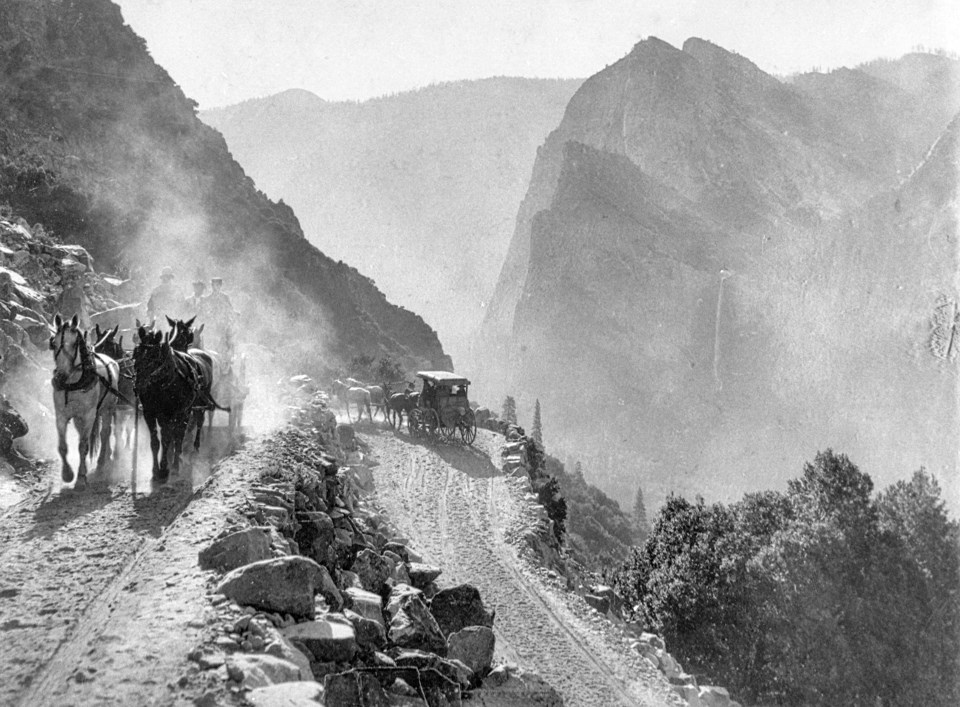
(199,282)
(166,272)
(215,280)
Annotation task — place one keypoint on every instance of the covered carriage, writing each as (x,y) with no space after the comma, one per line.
(443,410)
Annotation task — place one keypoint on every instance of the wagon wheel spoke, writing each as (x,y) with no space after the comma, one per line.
(433,423)
(468,428)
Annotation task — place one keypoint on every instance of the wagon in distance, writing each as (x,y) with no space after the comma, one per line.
(443,410)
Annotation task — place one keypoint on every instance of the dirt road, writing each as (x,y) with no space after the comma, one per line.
(462,513)
(101,597)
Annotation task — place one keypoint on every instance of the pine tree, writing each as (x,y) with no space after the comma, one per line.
(537,426)
(509,410)
(640,512)
(578,473)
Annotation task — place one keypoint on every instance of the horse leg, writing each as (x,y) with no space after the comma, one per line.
(154,447)
(179,432)
(198,421)
(84,426)
(106,432)
(66,472)
(166,449)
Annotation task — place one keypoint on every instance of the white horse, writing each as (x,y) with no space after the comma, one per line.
(357,395)
(84,385)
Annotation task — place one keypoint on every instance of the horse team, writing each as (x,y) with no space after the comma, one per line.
(96,385)
(374,399)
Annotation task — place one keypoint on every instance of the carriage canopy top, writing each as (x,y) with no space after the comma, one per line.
(443,377)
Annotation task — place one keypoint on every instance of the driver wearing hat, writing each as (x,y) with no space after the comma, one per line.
(164,300)
(192,303)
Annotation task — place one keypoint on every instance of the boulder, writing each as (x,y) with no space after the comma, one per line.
(285,585)
(509,686)
(397,595)
(348,436)
(281,647)
(411,623)
(455,671)
(316,537)
(712,696)
(260,670)
(362,477)
(601,604)
(373,570)
(371,635)
(367,604)
(401,576)
(353,689)
(327,639)
(307,693)
(668,664)
(458,607)
(236,550)
(653,640)
(349,579)
(473,646)
(689,694)
(421,575)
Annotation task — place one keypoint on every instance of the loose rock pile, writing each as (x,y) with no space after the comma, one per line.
(320,602)
(39,276)
(522,457)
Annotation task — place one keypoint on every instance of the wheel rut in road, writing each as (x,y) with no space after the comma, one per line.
(455,506)
(65,557)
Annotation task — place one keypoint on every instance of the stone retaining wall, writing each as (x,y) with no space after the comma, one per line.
(320,601)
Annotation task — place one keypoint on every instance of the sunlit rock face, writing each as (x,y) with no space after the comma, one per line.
(715,273)
(104,149)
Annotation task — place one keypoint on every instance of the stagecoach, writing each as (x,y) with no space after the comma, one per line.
(443,410)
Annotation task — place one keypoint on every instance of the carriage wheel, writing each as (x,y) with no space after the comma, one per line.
(468,428)
(415,423)
(448,432)
(431,423)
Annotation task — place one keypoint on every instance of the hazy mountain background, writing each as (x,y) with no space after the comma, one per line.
(419,189)
(715,273)
(99,145)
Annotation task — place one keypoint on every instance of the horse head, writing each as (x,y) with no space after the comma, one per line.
(68,345)
(107,344)
(183,336)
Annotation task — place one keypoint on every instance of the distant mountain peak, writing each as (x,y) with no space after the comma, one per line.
(652,44)
(715,59)
(298,99)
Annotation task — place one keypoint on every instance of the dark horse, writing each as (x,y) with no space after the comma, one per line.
(228,384)
(123,412)
(399,404)
(172,385)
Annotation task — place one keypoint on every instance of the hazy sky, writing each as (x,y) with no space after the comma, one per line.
(225,51)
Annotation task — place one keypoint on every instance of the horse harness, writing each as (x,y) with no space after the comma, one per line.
(88,376)
(186,367)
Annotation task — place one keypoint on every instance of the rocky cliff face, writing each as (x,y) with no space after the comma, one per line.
(715,273)
(419,189)
(101,146)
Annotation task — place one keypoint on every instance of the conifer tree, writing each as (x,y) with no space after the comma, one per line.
(640,512)
(509,413)
(537,426)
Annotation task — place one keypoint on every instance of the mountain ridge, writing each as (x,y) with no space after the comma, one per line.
(419,185)
(101,146)
(703,379)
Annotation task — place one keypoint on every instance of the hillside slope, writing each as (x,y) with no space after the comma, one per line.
(101,146)
(715,274)
(418,189)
